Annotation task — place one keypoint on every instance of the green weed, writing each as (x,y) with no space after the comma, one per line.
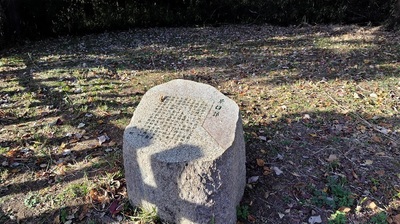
(31,200)
(4,150)
(380,218)
(144,216)
(63,215)
(337,218)
(242,212)
(334,165)
(75,190)
(341,195)
(375,182)
(335,196)
(4,174)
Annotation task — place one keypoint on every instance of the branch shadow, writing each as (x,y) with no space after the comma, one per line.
(309,53)
(300,145)
(273,55)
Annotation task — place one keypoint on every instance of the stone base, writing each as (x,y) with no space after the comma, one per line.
(196,175)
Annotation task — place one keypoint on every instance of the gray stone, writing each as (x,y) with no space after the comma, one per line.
(184,154)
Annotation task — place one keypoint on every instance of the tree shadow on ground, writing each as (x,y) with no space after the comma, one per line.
(62,155)
(329,52)
(302,152)
(105,75)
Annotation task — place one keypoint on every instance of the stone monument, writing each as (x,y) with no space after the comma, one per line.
(184,154)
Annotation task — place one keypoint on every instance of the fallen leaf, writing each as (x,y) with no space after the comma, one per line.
(263,138)
(396,219)
(368,162)
(373,95)
(281,215)
(295,174)
(267,171)
(69,217)
(15,164)
(81,125)
(315,219)
(78,136)
(344,209)
(12,153)
(66,152)
(253,179)
(94,195)
(83,213)
(382,130)
(372,205)
(115,207)
(62,146)
(260,162)
(277,170)
(380,172)
(57,220)
(332,158)
(103,139)
(362,128)
(376,139)
(354,174)
(251,218)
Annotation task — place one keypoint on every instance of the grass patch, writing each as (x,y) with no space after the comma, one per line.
(379,218)
(73,191)
(31,200)
(242,212)
(142,215)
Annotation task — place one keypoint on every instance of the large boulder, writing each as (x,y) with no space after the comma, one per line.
(184,154)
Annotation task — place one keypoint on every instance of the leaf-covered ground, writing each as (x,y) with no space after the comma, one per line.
(320,106)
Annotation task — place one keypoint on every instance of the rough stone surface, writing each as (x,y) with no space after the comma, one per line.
(184,154)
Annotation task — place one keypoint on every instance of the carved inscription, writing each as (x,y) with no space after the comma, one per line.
(174,119)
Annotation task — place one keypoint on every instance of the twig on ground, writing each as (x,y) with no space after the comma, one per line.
(33,62)
(358,116)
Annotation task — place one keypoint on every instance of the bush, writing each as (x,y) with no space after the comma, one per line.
(42,18)
(2,19)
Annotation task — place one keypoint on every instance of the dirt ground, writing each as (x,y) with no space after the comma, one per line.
(319,107)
